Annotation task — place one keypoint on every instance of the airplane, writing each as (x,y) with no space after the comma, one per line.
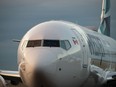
(64,54)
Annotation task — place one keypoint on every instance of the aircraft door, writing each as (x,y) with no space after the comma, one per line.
(83,47)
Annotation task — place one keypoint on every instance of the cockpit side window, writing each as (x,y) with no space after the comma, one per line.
(62,44)
(68,45)
(34,43)
(65,44)
(24,44)
(51,43)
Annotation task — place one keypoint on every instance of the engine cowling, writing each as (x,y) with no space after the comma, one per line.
(2,82)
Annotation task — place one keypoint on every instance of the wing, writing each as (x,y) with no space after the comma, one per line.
(10,75)
(103,76)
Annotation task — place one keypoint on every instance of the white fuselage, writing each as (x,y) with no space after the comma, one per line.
(63,56)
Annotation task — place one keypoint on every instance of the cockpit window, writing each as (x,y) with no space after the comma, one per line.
(51,43)
(62,44)
(65,44)
(34,43)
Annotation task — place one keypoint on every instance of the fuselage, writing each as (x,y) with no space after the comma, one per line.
(59,54)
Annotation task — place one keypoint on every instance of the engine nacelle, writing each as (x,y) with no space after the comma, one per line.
(2,82)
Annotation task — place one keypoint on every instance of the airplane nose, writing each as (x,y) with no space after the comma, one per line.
(44,67)
(45,61)
(40,58)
